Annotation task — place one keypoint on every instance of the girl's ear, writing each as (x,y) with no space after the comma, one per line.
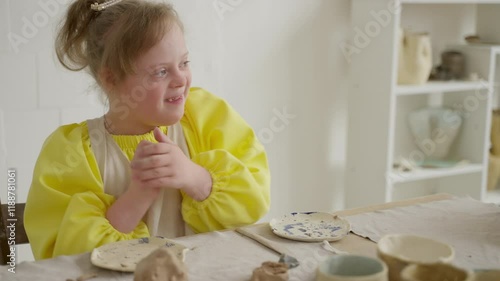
(108,79)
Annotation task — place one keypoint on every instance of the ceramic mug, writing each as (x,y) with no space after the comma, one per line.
(435,272)
(487,275)
(351,268)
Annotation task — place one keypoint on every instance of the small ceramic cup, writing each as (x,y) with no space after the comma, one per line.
(435,272)
(400,250)
(487,275)
(351,268)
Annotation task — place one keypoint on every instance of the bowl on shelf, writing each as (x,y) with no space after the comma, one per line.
(401,250)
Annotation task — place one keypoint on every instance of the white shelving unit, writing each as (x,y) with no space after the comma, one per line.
(425,174)
(440,87)
(450,1)
(378,132)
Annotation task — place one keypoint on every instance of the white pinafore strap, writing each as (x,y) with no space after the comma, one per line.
(164,217)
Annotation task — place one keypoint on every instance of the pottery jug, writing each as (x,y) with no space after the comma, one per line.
(415,58)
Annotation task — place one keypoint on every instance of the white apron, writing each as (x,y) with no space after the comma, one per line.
(164,217)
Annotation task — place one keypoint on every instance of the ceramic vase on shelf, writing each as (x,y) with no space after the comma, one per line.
(493,171)
(434,130)
(415,58)
(494,157)
(495,132)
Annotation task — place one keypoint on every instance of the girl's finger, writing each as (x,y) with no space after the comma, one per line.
(165,182)
(155,173)
(161,137)
(152,161)
(155,149)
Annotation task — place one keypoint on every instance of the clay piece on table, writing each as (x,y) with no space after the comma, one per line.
(161,265)
(270,271)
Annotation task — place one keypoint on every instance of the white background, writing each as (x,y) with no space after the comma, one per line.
(262,56)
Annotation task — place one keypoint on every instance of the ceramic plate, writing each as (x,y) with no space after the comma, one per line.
(311,226)
(124,255)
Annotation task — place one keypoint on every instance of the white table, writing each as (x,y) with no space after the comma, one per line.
(224,255)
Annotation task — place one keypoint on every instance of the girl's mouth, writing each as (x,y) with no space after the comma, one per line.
(175,100)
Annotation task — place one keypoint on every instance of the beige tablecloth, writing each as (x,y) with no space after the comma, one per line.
(221,256)
(470,226)
(229,256)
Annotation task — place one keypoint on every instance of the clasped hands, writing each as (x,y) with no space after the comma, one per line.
(164,165)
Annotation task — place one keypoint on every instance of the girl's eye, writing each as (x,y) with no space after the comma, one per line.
(186,63)
(161,73)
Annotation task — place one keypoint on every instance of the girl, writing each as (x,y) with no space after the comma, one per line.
(166,159)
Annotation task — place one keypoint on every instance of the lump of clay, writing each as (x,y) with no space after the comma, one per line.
(161,265)
(270,271)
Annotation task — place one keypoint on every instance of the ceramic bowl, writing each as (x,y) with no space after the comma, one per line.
(435,272)
(487,275)
(351,268)
(400,250)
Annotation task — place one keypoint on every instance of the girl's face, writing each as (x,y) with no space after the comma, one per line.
(156,94)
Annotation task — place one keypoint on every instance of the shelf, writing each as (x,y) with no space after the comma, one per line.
(377,94)
(440,87)
(482,46)
(493,197)
(423,174)
(450,1)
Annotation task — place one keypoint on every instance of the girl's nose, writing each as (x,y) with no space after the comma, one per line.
(178,79)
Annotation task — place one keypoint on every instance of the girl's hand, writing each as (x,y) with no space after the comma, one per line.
(164,165)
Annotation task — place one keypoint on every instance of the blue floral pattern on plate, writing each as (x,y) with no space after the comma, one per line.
(311,226)
(124,255)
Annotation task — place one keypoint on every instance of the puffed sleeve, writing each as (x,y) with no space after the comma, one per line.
(224,144)
(66,206)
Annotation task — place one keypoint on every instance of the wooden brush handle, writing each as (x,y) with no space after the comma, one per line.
(261,240)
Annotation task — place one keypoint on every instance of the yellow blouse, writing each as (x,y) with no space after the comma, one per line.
(66,205)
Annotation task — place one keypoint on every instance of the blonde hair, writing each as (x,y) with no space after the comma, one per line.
(114,37)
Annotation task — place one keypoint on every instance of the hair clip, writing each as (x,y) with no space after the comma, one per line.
(99,7)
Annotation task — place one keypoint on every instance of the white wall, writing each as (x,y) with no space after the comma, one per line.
(264,57)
